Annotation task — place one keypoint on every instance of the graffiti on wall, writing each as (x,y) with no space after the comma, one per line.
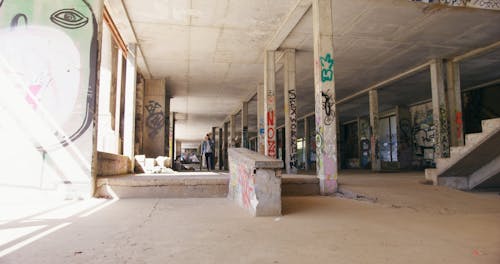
(327,106)
(242,184)
(424,134)
(155,119)
(483,4)
(52,49)
(444,143)
(292,104)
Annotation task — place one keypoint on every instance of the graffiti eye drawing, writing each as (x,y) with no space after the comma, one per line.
(69,18)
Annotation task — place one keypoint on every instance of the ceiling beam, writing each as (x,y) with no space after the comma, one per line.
(292,19)
(385,82)
(476,52)
(120,16)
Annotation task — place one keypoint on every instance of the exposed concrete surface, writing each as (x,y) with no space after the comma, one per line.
(112,164)
(255,182)
(312,230)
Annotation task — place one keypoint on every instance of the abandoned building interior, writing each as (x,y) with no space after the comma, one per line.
(343,131)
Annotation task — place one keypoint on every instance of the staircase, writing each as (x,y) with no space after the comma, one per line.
(474,165)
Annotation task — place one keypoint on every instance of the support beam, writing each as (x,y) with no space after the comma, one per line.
(454,103)
(477,52)
(261,120)
(374,136)
(307,146)
(270,103)
(244,125)
(290,105)
(232,131)
(171,136)
(129,116)
(324,94)
(226,136)
(118,103)
(388,81)
(219,147)
(439,110)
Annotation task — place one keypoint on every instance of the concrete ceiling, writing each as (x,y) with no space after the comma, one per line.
(210,51)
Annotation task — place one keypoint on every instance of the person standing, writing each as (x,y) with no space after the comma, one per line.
(207,148)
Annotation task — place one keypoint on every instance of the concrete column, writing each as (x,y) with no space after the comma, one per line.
(219,154)
(270,104)
(324,91)
(171,136)
(307,146)
(232,131)
(290,104)
(455,103)
(261,120)
(129,116)
(226,135)
(166,137)
(244,125)
(154,118)
(118,104)
(105,136)
(439,110)
(139,115)
(178,148)
(374,137)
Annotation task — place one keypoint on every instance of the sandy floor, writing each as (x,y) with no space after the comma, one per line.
(407,223)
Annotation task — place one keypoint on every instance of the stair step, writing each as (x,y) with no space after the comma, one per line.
(444,162)
(458,151)
(474,138)
(489,125)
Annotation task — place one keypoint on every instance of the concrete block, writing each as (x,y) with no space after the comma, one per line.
(255,182)
(431,175)
(112,164)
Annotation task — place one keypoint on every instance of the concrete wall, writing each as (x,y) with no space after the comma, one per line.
(154,118)
(49,71)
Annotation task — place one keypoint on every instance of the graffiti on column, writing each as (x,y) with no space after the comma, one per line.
(458,121)
(54,55)
(326,68)
(271,126)
(444,143)
(327,106)
(155,119)
(271,142)
(292,104)
(326,135)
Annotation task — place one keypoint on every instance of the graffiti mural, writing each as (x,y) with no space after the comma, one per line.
(51,47)
(155,119)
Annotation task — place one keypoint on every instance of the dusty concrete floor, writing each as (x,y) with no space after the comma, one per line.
(408,223)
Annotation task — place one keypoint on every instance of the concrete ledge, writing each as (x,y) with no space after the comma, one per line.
(162,186)
(255,182)
(112,164)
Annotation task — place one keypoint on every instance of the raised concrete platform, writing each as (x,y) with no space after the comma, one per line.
(191,185)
